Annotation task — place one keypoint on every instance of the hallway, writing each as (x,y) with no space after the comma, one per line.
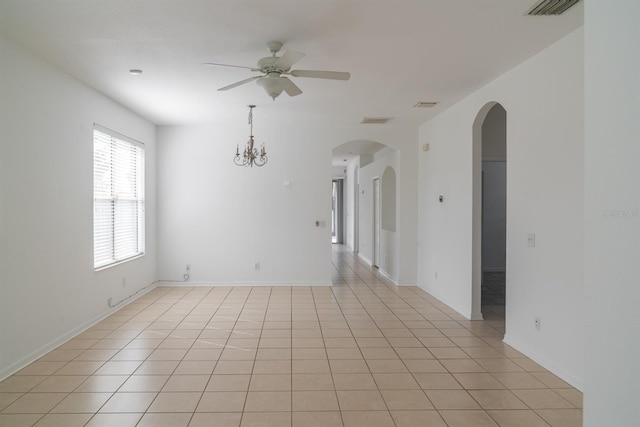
(361,353)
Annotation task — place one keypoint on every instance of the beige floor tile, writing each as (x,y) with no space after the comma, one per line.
(19,420)
(114,420)
(562,417)
(41,368)
(272,367)
(219,419)
(499,365)
(234,367)
(268,401)
(175,402)
(344,381)
(277,382)
(280,354)
(195,367)
(101,383)
(35,403)
(406,400)
(518,418)
(370,400)
(317,419)
(157,367)
(79,368)
(550,380)
(424,366)
(350,366)
(312,382)
(468,419)
(451,399)
(542,399)
(395,381)
(572,395)
(497,399)
(20,383)
(186,383)
(81,403)
(314,401)
(8,398)
(461,365)
(367,419)
(345,353)
(266,419)
(478,381)
(64,383)
(143,383)
(310,367)
(165,420)
(437,381)
(418,419)
(222,401)
(128,402)
(63,420)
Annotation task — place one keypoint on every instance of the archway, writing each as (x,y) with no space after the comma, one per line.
(489,213)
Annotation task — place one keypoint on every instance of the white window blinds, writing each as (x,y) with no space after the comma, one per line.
(118,198)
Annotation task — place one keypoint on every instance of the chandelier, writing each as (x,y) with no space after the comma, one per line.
(250,156)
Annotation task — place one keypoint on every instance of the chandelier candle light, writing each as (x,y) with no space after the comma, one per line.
(250,156)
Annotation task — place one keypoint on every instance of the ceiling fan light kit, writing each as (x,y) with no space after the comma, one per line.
(274,70)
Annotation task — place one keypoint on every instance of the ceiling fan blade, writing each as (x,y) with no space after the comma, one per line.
(316,74)
(290,87)
(240,83)
(289,58)
(233,66)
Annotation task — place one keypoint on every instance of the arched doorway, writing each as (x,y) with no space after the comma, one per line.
(489,213)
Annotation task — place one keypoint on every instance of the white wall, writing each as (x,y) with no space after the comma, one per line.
(222,219)
(49,290)
(545,132)
(612,213)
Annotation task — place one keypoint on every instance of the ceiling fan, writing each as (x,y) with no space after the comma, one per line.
(275,68)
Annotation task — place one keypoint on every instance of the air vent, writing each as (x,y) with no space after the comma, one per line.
(424,104)
(551,7)
(375,120)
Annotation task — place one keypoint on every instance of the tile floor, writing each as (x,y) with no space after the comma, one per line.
(360,353)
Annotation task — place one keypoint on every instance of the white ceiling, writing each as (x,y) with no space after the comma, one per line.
(398,52)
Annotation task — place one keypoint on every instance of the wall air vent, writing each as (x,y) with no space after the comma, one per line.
(551,7)
(425,104)
(375,120)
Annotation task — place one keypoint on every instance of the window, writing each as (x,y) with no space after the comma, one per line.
(118,198)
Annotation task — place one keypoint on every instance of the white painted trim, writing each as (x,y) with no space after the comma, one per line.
(387,276)
(52,345)
(414,284)
(476,316)
(232,283)
(365,259)
(540,360)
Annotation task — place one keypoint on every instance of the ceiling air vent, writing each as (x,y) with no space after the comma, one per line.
(551,7)
(423,104)
(375,120)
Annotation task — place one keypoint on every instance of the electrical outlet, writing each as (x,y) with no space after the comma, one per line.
(531,240)
(257,266)
(536,323)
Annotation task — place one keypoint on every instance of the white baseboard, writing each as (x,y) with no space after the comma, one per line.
(364,259)
(524,349)
(52,345)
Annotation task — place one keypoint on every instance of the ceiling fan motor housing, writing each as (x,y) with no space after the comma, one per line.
(267,63)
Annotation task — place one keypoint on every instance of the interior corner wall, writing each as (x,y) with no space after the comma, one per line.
(223,219)
(612,213)
(350,190)
(49,290)
(545,146)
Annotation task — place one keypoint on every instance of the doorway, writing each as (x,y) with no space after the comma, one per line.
(490,213)
(337,212)
(376,222)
